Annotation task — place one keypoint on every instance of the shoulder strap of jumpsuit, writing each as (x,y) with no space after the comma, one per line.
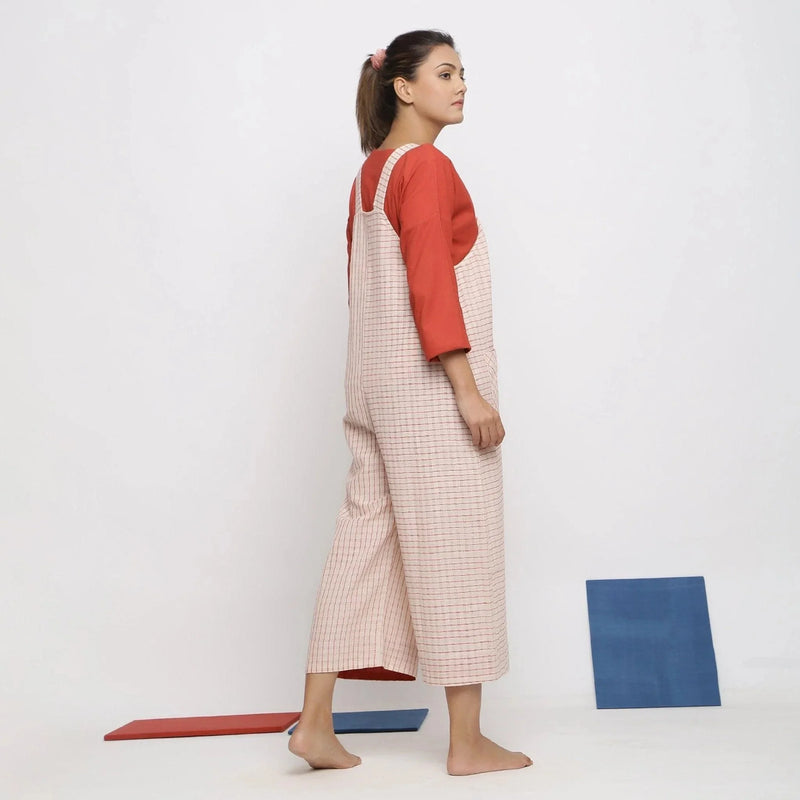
(383,183)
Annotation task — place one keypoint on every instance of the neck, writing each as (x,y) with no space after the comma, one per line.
(408,128)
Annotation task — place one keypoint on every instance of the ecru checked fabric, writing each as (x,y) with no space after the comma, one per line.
(415,577)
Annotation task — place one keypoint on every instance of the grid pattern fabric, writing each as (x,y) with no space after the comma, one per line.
(415,577)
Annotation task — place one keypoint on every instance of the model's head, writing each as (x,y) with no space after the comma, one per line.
(421,72)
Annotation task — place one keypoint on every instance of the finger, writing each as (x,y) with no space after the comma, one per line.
(487,435)
(494,427)
(501,432)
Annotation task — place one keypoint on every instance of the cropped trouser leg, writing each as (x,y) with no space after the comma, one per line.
(362,616)
(447,497)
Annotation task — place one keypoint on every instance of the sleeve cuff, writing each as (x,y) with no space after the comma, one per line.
(432,351)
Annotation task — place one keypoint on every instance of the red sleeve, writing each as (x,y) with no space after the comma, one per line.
(426,238)
(350,235)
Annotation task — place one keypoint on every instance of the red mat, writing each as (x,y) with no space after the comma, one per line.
(204,726)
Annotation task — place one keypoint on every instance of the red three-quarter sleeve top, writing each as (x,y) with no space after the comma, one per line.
(430,209)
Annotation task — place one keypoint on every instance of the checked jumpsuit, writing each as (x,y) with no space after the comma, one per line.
(415,577)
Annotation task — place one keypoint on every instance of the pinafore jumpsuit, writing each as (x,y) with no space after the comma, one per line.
(416,572)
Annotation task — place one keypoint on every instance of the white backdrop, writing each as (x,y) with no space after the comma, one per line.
(173,323)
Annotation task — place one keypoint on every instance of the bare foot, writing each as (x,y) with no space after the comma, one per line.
(320,748)
(483,756)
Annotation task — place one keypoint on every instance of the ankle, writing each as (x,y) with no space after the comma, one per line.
(317,718)
(464,739)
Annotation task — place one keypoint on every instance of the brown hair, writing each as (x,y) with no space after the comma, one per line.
(376,101)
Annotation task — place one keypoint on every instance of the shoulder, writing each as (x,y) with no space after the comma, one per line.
(425,166)
(426,156)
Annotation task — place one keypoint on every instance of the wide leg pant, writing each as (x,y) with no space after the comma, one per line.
(416,572)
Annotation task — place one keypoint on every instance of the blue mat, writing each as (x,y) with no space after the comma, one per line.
(651,643)
(404,719)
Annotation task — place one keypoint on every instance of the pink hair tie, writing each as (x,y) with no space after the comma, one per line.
(377,58)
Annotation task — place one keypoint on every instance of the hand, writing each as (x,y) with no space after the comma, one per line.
(482,418)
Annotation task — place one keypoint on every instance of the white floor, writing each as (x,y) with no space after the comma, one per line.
(746,751)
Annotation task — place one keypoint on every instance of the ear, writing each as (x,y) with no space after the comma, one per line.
(402,89)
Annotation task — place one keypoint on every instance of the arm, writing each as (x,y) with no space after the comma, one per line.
(426,235)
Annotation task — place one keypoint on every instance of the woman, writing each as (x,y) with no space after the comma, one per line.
(416,572)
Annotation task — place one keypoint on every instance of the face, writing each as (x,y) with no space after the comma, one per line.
(437,92)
